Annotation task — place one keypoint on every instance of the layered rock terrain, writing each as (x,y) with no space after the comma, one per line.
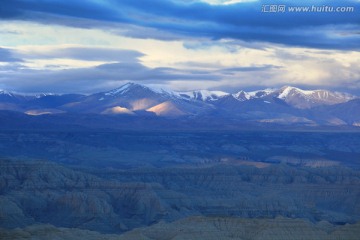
(116,201)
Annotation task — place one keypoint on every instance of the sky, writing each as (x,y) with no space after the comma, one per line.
(96,45)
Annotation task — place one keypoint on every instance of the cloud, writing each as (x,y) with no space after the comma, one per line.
(248,69)
(241,21)
(83,53)
(56,45)
(311,73)
(94,78)
(243,69)
(6,55)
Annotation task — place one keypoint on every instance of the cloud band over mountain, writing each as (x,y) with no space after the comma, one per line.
(55,45)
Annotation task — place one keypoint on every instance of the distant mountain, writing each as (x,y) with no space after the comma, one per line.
(9,97)
(131,97)
(134,98)
(243,96)
(53,100)
(12,101)
(287,105)
(204,95)
(297,97)
(308,99)
(166,109)
(38,102)
(344,113)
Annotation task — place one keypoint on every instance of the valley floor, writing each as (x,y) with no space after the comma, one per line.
(132,185)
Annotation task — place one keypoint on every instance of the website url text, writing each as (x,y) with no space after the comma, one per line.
(300,9)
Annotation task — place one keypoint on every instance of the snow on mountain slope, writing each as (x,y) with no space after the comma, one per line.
(121,90)
(134,88)
(6,96)
(137,99)
(203,95)
(293,96)
(27,96)
(297,97)
(128,88)
(307,99)
(131,96)
(40,95)
(6,93)
(243,96)
(13,102)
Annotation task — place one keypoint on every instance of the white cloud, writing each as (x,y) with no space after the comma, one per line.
(296,66)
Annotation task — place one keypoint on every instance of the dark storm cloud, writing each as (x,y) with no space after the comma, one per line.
(243,21)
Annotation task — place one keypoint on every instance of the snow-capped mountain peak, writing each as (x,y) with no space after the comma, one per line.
(121,90)
(287,91)
(243,96)
(261,93)
(6,93)
(309,98)
(40,95)
(131,87)
(140,100)
(163,91)
(203,95)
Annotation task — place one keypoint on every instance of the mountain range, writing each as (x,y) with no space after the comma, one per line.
(287,105)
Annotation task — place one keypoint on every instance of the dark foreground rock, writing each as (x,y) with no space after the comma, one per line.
(117,201)
(198,228)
